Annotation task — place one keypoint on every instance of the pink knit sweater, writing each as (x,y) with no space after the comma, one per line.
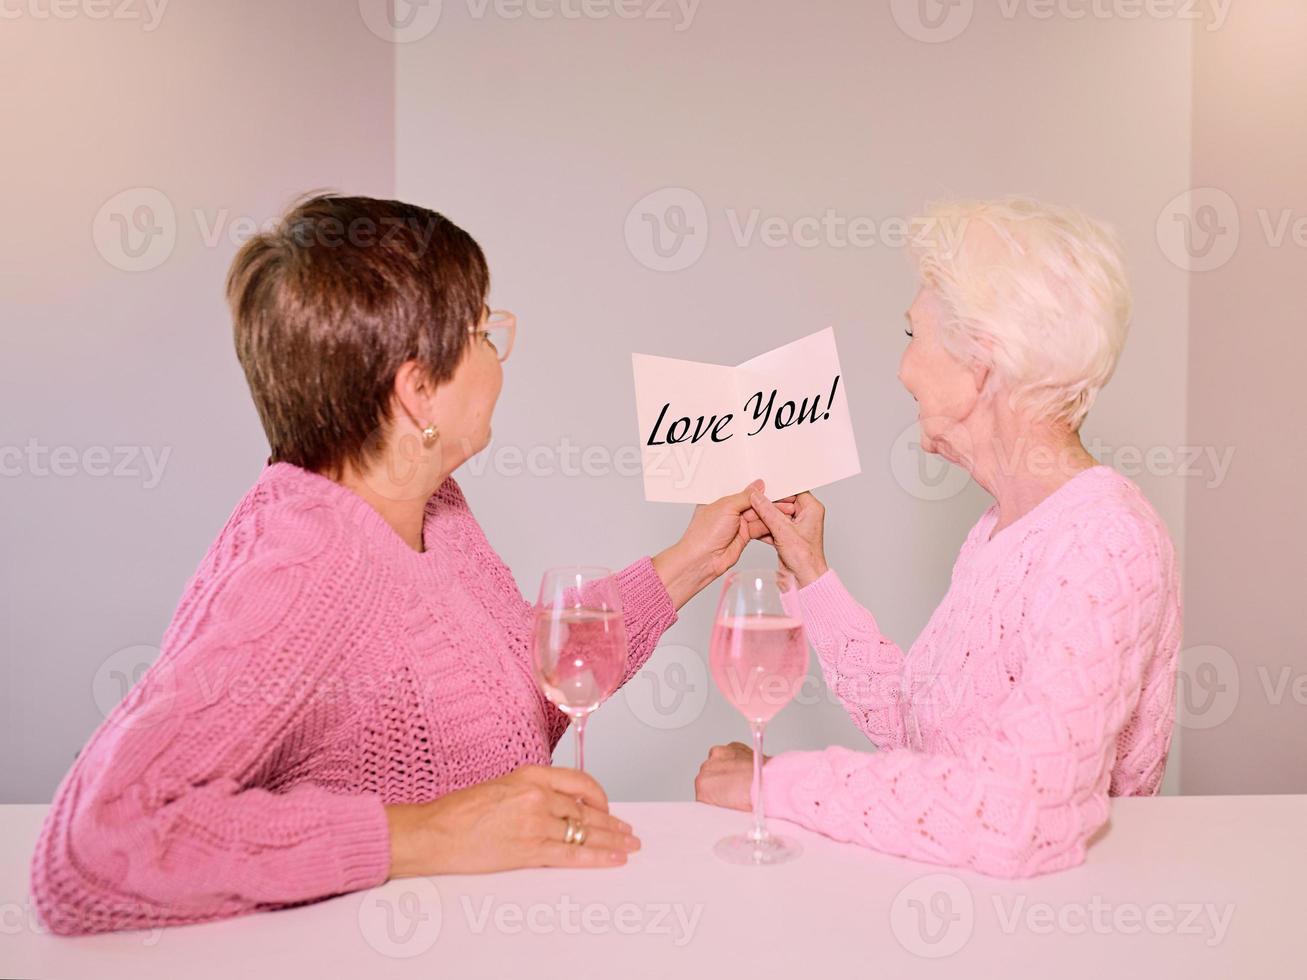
(316,669)
(1043,684)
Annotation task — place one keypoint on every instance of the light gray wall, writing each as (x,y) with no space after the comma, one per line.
(227,109)
(541,134)
(1245,673)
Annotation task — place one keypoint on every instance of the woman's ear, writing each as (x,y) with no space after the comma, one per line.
(414,392)
(980,375)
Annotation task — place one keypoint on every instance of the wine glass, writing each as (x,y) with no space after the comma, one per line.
(759,658)
(578,649)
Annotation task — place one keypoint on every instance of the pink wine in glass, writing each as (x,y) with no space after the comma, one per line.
(759,662)
(578,648)
(590,656)
(759,658)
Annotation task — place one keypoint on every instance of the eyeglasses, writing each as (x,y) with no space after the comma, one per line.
(499,330)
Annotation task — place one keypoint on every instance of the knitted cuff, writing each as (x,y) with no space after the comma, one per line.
(361,839)
(829,612)
(646,606)
(783,775)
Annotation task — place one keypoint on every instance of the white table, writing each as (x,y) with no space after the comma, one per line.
(1183,887)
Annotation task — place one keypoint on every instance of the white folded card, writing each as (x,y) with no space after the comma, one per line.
(708,430)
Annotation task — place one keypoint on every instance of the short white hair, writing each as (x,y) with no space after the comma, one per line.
(1039,296)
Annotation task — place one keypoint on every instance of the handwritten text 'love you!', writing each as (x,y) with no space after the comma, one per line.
(788,407)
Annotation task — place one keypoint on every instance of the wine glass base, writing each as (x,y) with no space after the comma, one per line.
(747,849)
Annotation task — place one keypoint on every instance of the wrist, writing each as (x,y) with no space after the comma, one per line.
(402,822)
(811,572)
(683,573)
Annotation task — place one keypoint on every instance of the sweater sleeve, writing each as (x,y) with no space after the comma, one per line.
(1026,798)
(163,819)
(861,665)
(647,613)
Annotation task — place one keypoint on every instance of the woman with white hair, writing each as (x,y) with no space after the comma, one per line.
(1044,681)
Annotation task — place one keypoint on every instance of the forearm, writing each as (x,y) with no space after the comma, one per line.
(163,819)
(409,852)
(861,665)
(1021,799)
(211,853)
(939,809)
(683,572)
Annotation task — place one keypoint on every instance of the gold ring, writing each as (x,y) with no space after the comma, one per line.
(576,832)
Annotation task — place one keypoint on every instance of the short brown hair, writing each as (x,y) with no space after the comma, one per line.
(329,304)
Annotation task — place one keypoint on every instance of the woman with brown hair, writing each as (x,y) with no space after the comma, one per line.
(344,693)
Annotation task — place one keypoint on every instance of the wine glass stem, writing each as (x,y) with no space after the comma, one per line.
(579,725)
(759,821)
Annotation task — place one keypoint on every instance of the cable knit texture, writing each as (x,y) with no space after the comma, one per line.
(1043,684)
(316,668)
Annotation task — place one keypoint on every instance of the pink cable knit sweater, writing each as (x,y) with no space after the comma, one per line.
(316,669)
(1043,683)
